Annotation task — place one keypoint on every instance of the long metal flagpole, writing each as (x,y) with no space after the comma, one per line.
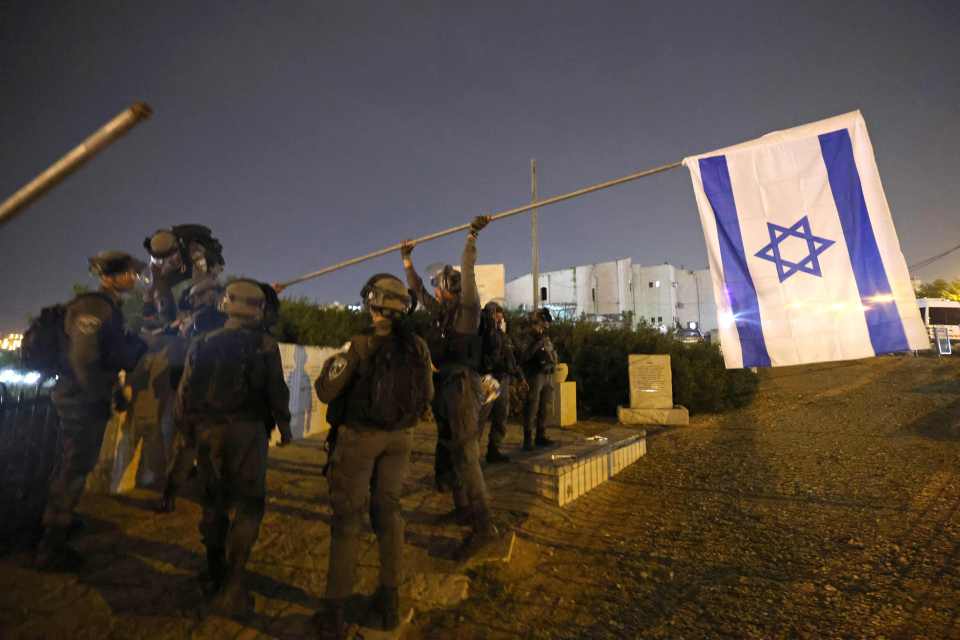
(534,239)
(496,216)
(69,163)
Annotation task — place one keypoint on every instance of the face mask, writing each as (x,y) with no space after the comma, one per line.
(382,326)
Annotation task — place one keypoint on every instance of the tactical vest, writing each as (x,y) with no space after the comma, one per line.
(449,347)
(388,390)
(226,374)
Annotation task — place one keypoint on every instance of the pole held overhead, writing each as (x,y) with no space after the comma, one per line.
(69,163)
(496,216)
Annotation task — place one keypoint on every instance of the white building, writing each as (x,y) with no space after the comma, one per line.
(657,295)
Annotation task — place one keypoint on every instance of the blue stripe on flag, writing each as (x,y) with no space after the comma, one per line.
(883,319)
(736,276)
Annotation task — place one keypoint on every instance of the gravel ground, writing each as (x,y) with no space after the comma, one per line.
(829,508)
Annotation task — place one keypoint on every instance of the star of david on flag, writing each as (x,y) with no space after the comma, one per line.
(809,263)
(804,258)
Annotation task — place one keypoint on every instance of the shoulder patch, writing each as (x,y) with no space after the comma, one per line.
(88,324)
(337,366)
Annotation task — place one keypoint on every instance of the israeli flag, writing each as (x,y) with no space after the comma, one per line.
(804,258)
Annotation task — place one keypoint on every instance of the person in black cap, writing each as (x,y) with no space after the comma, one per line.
(97,346)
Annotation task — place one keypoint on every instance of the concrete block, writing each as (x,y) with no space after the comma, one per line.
(563,409)
(564,474)
(676,416)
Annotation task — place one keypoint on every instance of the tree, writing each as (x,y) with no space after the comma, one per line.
(940,288)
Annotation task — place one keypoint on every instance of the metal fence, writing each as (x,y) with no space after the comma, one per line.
(28,443)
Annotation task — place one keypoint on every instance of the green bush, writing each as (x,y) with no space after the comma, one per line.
(598,363)
(304,322)
(597,357)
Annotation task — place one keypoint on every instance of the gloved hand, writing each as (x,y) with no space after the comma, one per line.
(279,288)
(478,223)
(406,249)
(286,436)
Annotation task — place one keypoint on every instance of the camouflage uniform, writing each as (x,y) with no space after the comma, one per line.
(539,362)
(456,350)
(232,450)
(97,347)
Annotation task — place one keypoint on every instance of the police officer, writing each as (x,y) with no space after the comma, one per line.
(499,360)
(456,350)
(233,377)
(97,347)
(377,392)
(200,314)
(181,253)
(539,361)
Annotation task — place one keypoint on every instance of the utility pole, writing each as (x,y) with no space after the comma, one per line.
(534,241)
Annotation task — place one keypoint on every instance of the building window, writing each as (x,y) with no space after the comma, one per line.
(659,319)
(652,319)
(543,294)
(650,285)
(674,284)
(593,293)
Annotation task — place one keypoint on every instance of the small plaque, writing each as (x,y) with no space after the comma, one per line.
(651,386)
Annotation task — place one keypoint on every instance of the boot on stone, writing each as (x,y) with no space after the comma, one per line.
(483,535)
(542,440)
(494,456)
(527,441)
(211,578)
(330,620)
(54,554)
(233,600)
(384,612)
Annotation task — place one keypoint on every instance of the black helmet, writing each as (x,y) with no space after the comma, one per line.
(111,263)
(243,298)
(388,295)
(163,243)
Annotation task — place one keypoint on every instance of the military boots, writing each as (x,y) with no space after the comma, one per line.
(330,620)
(384,612)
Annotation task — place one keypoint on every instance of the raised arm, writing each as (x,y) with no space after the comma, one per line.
(414,282)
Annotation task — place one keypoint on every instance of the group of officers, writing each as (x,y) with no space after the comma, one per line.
(231,394)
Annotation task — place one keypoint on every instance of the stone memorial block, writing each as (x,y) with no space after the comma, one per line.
(651,384)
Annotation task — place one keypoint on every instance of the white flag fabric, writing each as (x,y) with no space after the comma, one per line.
(804,258)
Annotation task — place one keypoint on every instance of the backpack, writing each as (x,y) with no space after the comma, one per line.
(45,340)
(222,372)
(389,390)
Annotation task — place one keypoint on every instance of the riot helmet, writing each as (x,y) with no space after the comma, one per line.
(444,277)
(243,299)
(162,244)
(114,263)
(387,295)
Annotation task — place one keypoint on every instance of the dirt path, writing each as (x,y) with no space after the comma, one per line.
(827,509)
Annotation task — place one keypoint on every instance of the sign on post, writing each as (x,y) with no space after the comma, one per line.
(942,336)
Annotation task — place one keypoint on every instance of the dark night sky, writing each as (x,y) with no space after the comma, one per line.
(307,133)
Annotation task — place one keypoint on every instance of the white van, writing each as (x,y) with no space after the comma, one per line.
(940,313)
